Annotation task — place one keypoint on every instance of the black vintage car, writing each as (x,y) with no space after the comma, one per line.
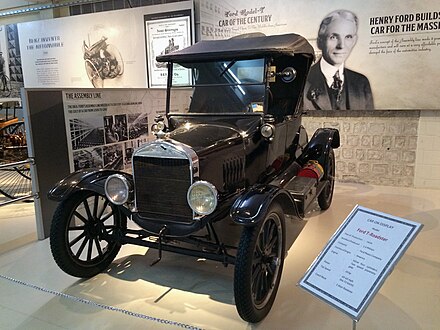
(238,154)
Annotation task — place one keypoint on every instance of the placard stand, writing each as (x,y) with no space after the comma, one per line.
(358,258)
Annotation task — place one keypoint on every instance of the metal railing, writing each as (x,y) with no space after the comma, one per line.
(15,181)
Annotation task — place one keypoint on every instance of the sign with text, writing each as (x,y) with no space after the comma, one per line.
(167,33)
(106,50)
(358,258)
(397,44)
(104,126)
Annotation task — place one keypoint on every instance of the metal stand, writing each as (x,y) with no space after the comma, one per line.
(354,324)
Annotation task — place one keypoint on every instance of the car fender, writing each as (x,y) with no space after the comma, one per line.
(319,146)
(252,206)
(88,179)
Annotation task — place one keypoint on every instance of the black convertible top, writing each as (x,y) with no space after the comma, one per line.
(241,48)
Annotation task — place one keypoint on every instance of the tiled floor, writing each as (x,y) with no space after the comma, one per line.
(182,292)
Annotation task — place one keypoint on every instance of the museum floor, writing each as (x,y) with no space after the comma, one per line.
(182,292)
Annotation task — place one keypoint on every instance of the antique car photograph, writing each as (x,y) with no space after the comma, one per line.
(239,155)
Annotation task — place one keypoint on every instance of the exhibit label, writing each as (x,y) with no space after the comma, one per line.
(358,258)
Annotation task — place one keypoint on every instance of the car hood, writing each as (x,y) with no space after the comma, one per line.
(206,137)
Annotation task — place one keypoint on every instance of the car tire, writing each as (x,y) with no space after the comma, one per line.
(76,235)
(326,196)
(259,264)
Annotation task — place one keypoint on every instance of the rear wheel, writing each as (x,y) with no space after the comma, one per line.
(81,234)
(258,266)
(326,196)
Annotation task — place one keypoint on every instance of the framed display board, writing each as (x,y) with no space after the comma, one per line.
(358,258)
(166,33)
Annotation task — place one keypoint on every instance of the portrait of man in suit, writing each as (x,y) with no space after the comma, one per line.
(330,84)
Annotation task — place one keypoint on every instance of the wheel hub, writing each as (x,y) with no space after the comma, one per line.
(93,228)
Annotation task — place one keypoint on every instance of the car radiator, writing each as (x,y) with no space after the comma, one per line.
(161,185)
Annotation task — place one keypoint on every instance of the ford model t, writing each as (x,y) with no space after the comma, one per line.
(237,155)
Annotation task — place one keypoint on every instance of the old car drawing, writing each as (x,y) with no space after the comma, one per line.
(239,154)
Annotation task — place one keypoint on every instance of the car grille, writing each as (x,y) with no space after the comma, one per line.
(161,185)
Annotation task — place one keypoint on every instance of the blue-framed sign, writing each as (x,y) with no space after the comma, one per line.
(358,258)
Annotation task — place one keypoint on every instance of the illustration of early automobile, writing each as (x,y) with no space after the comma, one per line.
(239,157)
(102,61)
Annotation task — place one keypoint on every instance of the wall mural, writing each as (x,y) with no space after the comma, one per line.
(104,126)
(385,52)
(100,50)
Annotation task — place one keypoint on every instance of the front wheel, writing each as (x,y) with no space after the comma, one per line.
(81,234)
(326,196)
(258,265)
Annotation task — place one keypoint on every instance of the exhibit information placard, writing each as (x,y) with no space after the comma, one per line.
(358,258)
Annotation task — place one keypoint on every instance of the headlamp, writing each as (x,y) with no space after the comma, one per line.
(117,189)
(202,197)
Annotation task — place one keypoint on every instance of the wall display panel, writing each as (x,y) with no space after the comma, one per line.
(105,126)
(101,50)
(394,53)
(72,129)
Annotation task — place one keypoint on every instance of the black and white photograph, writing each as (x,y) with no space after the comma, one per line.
(11,72)
(129,148)
(88,158)
(121,127)
(115,128)
(113,156)
(330,84)
(137,125)
(86,132)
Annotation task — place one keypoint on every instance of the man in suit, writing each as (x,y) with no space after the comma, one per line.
(330,85)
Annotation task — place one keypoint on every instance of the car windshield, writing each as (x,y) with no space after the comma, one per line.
(236,86)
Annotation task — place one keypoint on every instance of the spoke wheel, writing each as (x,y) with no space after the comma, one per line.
(326,196)
(94,75)
(82,234)
(15,181)
(118,64)
(258,266)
